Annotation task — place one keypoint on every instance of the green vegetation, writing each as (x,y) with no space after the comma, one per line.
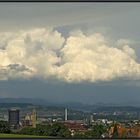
(4,127)
(59,130)
(22,136)
(115,133)
(56,129)
(97,131)
(79,135)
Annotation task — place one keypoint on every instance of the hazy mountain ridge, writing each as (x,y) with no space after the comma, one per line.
(71,105)
(8,105)
(25,100)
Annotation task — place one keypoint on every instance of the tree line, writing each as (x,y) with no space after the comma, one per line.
(60,130)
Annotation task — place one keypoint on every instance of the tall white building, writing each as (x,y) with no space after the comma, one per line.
(66,114)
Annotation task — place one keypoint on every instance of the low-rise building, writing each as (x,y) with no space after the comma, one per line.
(74,127)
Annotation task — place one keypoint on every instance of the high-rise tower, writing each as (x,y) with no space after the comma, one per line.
(66,114)
(13,114)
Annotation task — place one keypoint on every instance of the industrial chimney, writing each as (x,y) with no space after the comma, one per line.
(66,114)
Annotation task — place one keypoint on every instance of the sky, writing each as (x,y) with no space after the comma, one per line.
(71,52)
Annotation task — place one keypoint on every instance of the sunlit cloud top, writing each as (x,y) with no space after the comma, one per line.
(44,53)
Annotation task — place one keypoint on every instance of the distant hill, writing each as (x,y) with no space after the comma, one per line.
(21,105)
(71,105)
(115,109)
(25,100)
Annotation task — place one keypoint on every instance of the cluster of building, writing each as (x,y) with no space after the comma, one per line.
(128,129)
(14,119)
(31,120)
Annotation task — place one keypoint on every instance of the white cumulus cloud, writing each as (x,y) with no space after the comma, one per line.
(45,53)
(90,58)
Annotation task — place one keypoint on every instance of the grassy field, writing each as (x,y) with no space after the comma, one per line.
(22,136)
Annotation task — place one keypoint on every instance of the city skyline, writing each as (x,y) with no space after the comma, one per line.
(70,52)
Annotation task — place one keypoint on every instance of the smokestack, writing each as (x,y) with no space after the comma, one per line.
(66,114)
(91,118)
